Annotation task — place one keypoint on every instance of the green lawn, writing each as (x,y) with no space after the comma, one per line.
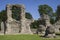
(25,37)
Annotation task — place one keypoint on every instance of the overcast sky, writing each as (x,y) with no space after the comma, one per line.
(31,5)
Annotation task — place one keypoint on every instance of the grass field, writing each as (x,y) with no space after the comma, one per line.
(25,37)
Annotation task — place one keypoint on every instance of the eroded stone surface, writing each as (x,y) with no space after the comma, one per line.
(57,26)
(22,26)
(50,32)
(41,29)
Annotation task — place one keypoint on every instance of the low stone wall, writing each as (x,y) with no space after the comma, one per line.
(34,31)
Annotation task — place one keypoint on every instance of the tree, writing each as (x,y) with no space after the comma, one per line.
(35,24)
(3,15)
(58,12)
(28,15)
(16,13)
(45,9)
(53,18)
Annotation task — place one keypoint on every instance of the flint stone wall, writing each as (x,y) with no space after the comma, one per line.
(16,27)
(2,28)
(10,22)
(57,26)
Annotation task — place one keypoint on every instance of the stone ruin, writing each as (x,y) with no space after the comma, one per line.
(22,26)
(46,22)
(48,29)
(57,27)
(16,27)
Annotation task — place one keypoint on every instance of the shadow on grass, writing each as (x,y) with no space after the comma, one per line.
(47,37)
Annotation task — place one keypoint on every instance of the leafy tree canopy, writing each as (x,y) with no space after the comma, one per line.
(35,24)
(45,9)
(28,15)
(58,12)
(3,15)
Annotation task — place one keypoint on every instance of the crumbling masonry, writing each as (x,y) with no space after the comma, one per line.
(17,27)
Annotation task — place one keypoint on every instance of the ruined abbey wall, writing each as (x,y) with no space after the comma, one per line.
(17,27)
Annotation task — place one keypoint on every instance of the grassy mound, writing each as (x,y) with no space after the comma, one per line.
(25,37)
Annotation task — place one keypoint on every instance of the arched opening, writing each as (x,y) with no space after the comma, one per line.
(16,12)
